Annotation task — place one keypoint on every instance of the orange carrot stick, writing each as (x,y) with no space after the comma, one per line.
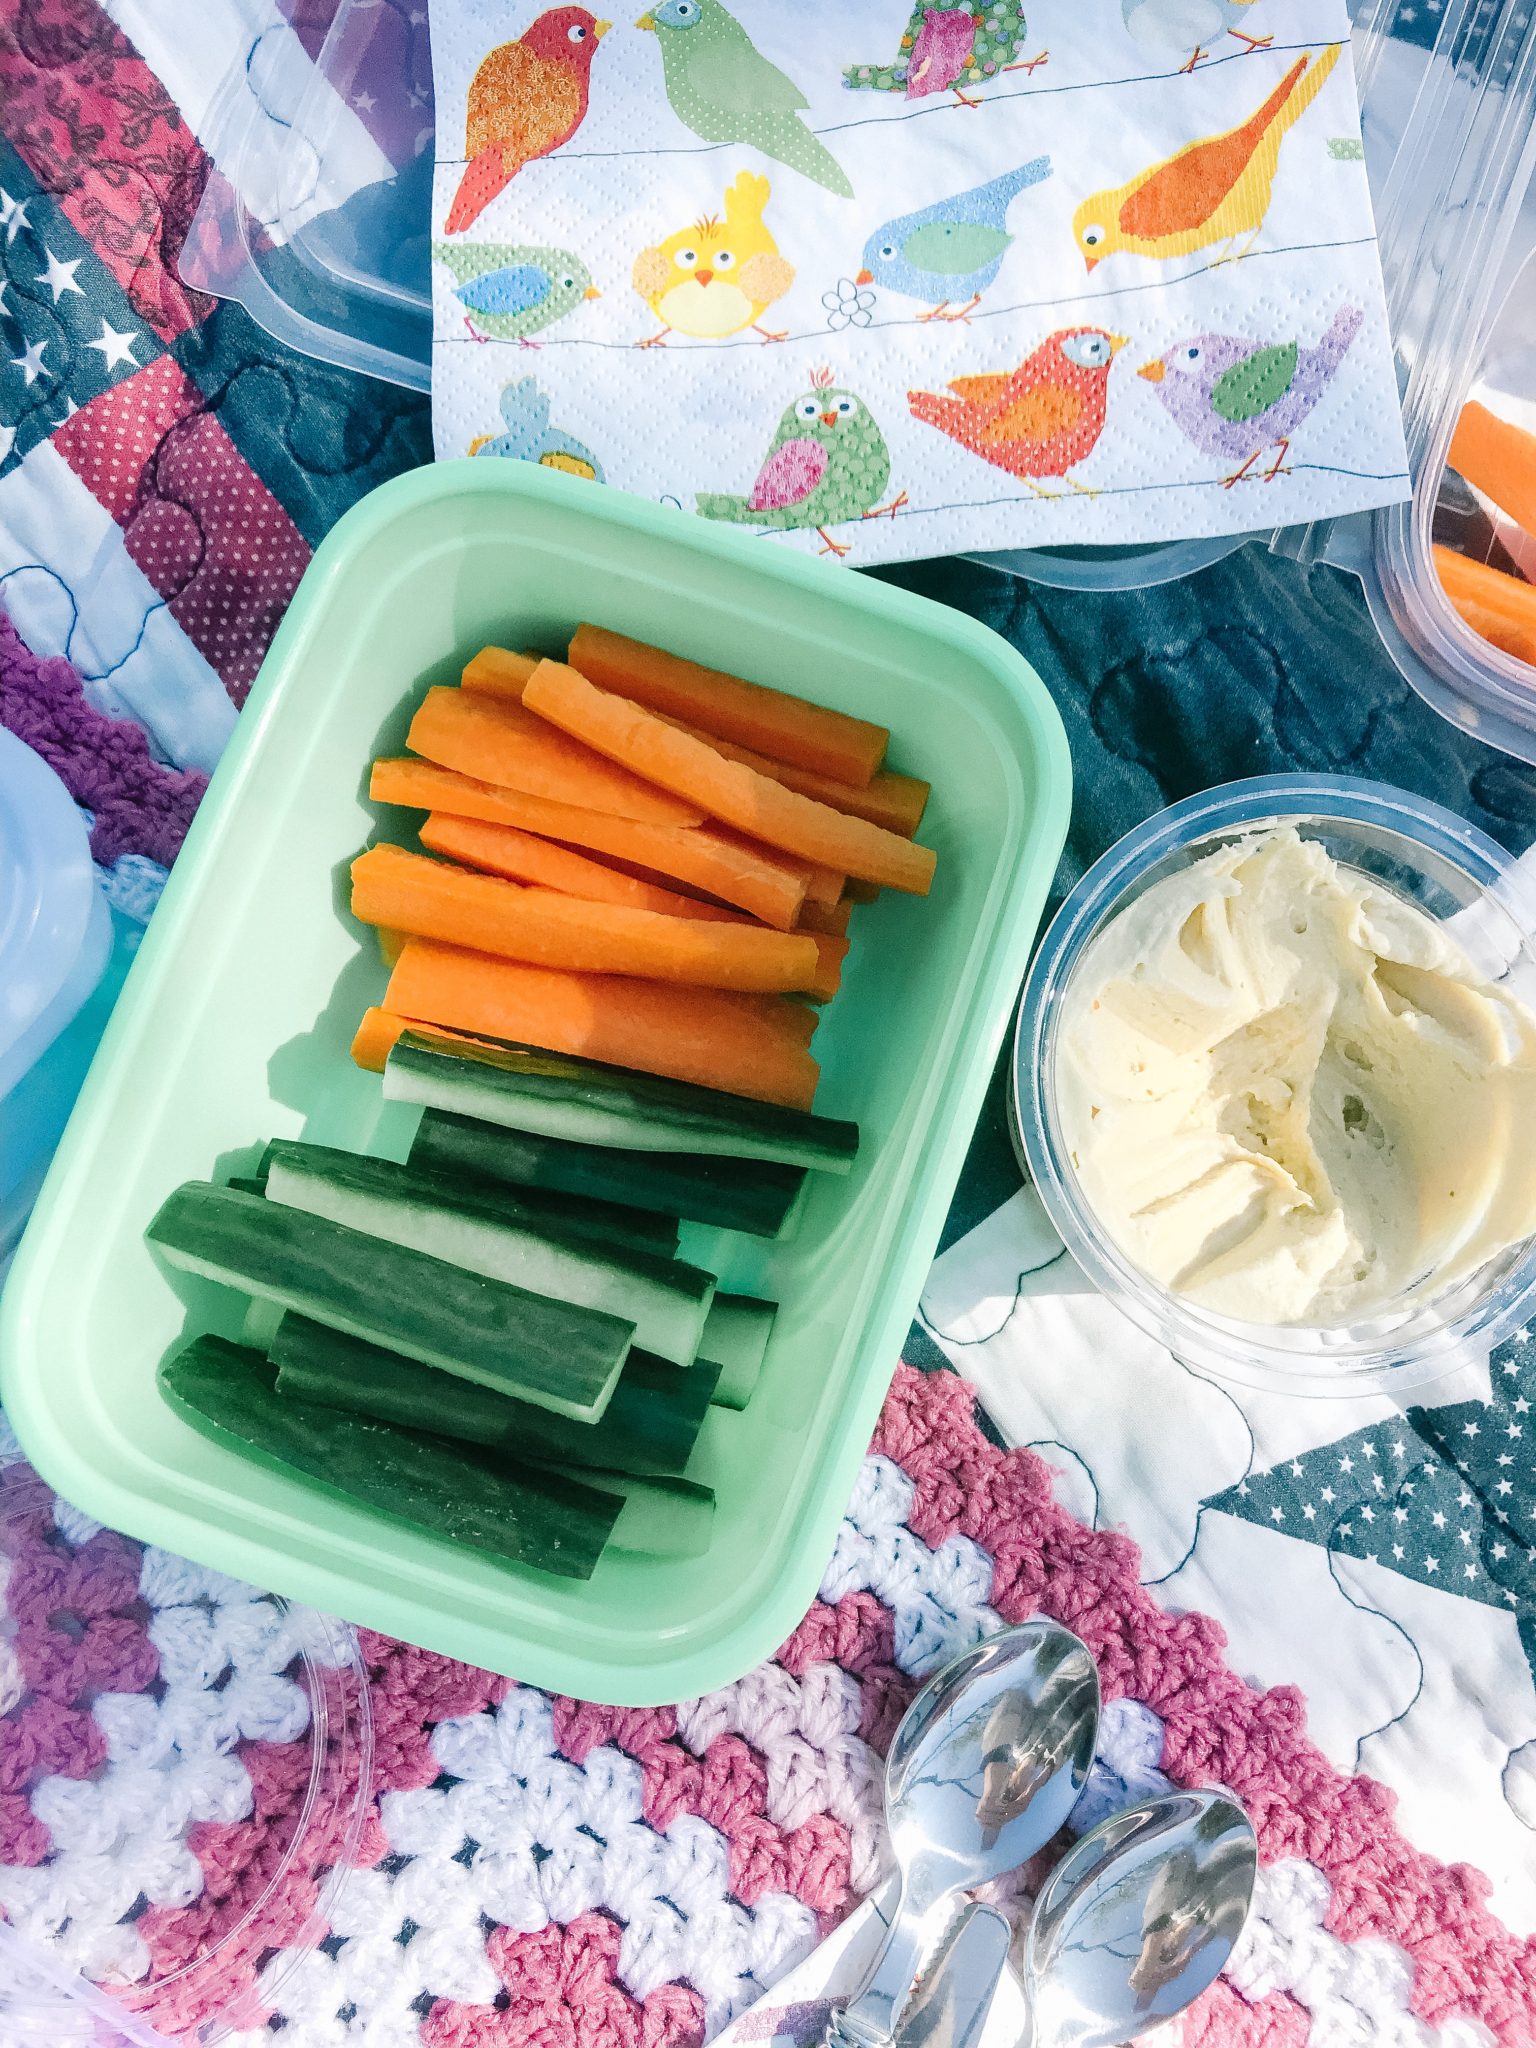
(817,917)
(895,801)
(831,953)
(691,768)
(1494,594)
(1499,459)
(825,886)
(1498,630)
(524,857)
(498,672)
(409,893)
(687,1034)
(772,721)
(500,742)
(860,892)
(720,863)
(391,944)
(379,1030)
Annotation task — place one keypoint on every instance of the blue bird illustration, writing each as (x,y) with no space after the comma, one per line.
(514,289)
(527,435)
(951,248)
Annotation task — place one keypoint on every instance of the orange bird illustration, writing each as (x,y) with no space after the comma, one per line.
(1214,190)
(1041,419)
(525,99)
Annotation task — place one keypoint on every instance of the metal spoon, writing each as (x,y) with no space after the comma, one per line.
(1137,1919)
(952,1999)
(986,1765)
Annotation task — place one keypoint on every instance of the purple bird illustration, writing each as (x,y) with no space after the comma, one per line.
(941,52)
(1236,398)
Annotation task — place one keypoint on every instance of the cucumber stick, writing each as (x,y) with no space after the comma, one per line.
(515,1515)
(661,1517)
(735,1339)
(650,1425)
(545,1352)
(551,1096)
(735,1194)
(485,1233)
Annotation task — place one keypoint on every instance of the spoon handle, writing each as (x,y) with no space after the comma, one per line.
(868,2020)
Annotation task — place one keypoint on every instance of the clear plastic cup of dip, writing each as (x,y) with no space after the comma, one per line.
(1434,861)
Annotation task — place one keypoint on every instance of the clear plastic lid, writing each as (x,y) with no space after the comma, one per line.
(317,218)
(185,1768)
(1451,576)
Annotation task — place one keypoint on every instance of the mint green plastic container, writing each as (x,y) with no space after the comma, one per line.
(235,1023)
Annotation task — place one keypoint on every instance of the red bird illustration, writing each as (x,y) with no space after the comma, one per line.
(525,99)
(1041,419)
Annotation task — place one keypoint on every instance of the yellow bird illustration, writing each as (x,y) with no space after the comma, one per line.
(1215,190)
(718,276)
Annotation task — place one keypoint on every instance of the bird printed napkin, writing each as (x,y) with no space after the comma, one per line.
(889,279)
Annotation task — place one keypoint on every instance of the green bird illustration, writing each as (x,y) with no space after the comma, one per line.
(721,87)
(512,289)
(828,462)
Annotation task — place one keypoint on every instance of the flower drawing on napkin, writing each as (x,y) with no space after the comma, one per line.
(526,98)
(848,305)
(716,277)
(827,463)
(951,249)
(1041,419)
(946,42)
(721,86)
(1236,398)
(1214,190)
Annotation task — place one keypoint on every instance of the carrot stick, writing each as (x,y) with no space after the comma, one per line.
(524,857)
(1507,598)
(774,722)
(500,742)
(1499,459)
(1497,630)
(825,886)
(831,953)
(498,672)
(895,801)
(691,768)
(379,1030)
(860,892)
(409,893)
(816,917)
(721,863)
(687,1034)
(796,1022)
(391,944)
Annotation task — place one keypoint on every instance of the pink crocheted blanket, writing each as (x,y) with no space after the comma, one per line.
(536,1872)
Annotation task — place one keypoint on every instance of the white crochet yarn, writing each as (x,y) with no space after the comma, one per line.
(1357,1991)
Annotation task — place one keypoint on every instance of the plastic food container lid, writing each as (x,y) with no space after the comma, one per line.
(185,1767)
(1412,848)
(317,219)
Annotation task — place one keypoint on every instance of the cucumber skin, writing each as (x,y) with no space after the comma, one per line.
(292,1258)
(666,1299)
(649,1428)
(750,1195)
(515,1515)
(552,1095)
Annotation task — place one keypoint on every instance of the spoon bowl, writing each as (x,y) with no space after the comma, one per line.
(1137,1919)
(987,1763)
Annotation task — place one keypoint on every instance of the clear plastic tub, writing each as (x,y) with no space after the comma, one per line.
(187,1767)
(1438,863)
(1457,124)
(55,936)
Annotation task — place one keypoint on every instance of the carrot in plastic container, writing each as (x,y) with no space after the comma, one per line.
(504,745)
(1499,608)
(688,1034)
(1499,459)
(691,769)
(525,857)
(720,863)
(772,721)
(498,672)
(407,892)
